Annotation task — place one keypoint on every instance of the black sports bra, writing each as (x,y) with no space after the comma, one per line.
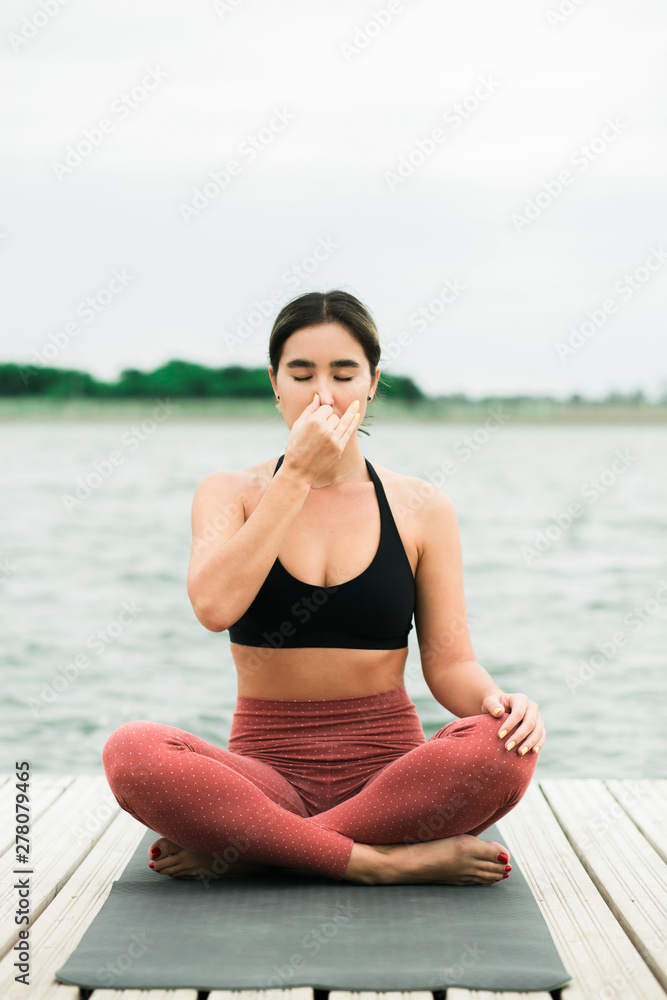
(372,611)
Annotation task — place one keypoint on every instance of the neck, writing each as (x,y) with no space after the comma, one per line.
(352,462)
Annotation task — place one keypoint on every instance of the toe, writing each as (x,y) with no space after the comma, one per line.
(161,848)
(495,849)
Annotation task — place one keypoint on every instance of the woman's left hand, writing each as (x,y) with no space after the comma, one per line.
(531,734)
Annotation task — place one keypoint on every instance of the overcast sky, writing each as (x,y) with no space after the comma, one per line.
(487,177)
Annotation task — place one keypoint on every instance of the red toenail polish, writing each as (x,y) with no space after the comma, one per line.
(503,857)
(508,868)
(151,865)
(506,875)
(155,852)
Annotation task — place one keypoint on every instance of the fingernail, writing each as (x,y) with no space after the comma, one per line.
(497,710)
(314,397)
(504,858)
(536,749)
(155,852)
(151,865)
(504,733)
(356,404)
(524,750)
(510,745)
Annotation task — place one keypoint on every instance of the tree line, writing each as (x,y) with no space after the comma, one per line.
(186,379)
(178,379)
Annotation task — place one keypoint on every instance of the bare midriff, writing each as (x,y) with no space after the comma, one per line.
(312,674)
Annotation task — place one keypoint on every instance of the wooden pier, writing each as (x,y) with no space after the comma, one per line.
(593,852)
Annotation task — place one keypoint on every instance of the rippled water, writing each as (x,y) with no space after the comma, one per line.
(580,627)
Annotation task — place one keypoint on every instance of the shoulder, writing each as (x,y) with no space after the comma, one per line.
(243,485)
(421,507)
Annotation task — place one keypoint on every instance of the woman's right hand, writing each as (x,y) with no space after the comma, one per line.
(318,438)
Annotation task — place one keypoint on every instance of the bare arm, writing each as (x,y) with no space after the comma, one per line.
(450,667)
(232,557)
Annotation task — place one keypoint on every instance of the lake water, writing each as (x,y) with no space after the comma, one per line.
(578,626)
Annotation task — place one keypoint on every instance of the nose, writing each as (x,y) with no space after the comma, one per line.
(325,393)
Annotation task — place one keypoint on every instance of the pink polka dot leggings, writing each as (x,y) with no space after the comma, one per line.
(301,781)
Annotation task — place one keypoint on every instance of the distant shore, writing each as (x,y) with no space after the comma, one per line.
(37,408)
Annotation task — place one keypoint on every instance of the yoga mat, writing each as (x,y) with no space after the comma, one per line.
(288,927)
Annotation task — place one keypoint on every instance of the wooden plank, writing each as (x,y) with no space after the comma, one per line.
(645,802)
(389,995)
(628,873)
(291,993)
(593,947)
(144,995)
(457,993)
(57,932)
(44,790)
(60,839)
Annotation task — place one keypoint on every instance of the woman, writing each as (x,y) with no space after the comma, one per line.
(327,767)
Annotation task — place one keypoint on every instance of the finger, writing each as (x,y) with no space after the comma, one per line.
(312,406)
(518,709)
(528,728)
(348,422)
(541,741)
(525,738)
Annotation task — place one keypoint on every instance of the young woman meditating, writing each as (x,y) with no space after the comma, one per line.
(316,561)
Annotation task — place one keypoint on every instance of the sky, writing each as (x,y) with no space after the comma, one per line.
(487,178)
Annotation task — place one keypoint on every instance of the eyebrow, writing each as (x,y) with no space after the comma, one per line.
(341,363)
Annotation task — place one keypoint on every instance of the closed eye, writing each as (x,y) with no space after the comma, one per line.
(336,377)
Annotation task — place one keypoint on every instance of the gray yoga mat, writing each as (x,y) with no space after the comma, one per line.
(288,927)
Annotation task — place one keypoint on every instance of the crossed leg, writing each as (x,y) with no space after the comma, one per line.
(461,780)
(212,802)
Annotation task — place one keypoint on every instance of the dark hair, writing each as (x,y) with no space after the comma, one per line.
(316,308)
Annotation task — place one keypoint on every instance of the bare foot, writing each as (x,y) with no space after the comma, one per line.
(460,860)
(179,862)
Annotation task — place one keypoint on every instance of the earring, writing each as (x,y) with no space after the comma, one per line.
(277,397)
(370,397)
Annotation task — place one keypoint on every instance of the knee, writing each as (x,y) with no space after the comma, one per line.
(488,757)
(125,751)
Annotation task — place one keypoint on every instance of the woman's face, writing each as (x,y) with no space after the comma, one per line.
(325,359)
